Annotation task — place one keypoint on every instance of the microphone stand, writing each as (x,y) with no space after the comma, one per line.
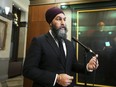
(85,62)
(85,59)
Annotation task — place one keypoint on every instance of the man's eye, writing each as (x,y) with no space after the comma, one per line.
(58,19)
(64,19)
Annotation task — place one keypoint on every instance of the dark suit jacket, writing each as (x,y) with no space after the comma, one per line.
(43,61)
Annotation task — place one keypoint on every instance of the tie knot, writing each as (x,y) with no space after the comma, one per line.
(59,39)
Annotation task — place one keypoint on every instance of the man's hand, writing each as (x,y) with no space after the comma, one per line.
(93,63)
(64,79)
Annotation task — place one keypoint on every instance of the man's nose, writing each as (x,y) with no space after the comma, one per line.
(63,22)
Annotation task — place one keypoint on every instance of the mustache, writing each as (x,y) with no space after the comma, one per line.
(63,28)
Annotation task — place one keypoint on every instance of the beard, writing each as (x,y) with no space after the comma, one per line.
(60,32)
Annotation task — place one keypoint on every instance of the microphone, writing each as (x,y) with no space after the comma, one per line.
(85,47)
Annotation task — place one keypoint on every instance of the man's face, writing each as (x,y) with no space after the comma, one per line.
(58,26)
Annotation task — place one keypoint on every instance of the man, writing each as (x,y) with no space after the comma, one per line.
(48,65)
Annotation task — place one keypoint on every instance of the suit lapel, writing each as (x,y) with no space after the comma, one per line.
(52,42)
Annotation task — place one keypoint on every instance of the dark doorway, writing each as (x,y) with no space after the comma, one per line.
(15,66)
(15,33)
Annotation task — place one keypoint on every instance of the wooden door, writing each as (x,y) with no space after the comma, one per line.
(37,26)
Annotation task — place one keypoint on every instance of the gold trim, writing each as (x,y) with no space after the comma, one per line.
(38,2)
(96,85)
(106,9)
